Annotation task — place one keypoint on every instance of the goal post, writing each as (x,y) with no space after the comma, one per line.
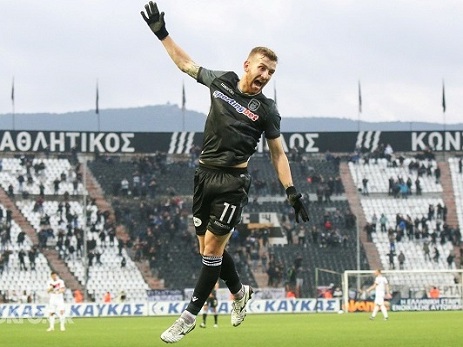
(326,276)
(403,284)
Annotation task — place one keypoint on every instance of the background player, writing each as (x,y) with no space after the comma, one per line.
(381,287)
(211,304)
(56,289)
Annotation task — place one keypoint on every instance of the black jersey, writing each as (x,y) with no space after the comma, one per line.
(236,121)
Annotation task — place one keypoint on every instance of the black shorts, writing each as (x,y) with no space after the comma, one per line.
(219,198)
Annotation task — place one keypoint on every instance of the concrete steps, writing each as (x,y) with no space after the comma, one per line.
(448,196)
(96,193)
(353,197)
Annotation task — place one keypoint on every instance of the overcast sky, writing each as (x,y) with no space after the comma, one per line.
(401,51)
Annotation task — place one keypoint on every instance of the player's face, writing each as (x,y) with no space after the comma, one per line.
(258,71)
(53,277)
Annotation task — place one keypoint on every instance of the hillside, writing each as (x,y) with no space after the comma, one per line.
(168,118)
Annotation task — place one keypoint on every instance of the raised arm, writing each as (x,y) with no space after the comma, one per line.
(155,21)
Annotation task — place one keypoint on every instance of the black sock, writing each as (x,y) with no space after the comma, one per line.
(208,277)
(204,317)
(229,274)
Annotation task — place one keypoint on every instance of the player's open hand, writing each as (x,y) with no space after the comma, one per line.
(155,20)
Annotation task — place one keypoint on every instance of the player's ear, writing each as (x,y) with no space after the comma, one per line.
(246,65)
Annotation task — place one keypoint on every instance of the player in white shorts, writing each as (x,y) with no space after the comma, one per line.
(381,287)
(56,289)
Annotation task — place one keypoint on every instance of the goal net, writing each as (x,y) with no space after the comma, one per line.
(406,286)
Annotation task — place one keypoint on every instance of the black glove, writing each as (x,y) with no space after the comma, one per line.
(294,199)
(155,20)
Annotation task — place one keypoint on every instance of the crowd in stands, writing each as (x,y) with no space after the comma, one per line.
(150,198)
(429,230)
(405,175)
(155,221)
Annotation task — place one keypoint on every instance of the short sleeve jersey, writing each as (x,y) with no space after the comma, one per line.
(236,121)
(381,283)
(57,285)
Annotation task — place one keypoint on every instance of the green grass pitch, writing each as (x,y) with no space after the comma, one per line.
(443,329)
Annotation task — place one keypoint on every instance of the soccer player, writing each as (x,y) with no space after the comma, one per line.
(381,287)
(238,117)
(211,304)
(56,290)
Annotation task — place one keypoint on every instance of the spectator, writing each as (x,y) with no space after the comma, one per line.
(401,259)
(107,298)
(418,186)
(436,255)
(21,181)
(383,222)
(10,191)
(125,187)
(374,222)
(32,255)
(437,174)
(434,293)
(56,184)
(369,230)
(21,238)
(337,293)
(450,259)
(391,256)
(90,256)
(301,235)
(327,294)
(2,264)
(431,212)
(122,296)
(78,297)
(388,152)
(444,213)
(22,257)
(365,187)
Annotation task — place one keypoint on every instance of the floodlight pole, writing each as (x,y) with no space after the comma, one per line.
(357,226)
(84,229)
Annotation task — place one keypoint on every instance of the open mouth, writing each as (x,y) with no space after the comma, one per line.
(258,84)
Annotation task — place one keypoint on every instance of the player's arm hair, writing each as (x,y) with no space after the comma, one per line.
(280,162)
(180,57)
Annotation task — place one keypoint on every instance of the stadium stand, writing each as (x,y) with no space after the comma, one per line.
(380,171)
(105,272)
(147,176)
(414,217)
(26,176)
(16,279)
(455,165)
(50,195)
(154,213)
